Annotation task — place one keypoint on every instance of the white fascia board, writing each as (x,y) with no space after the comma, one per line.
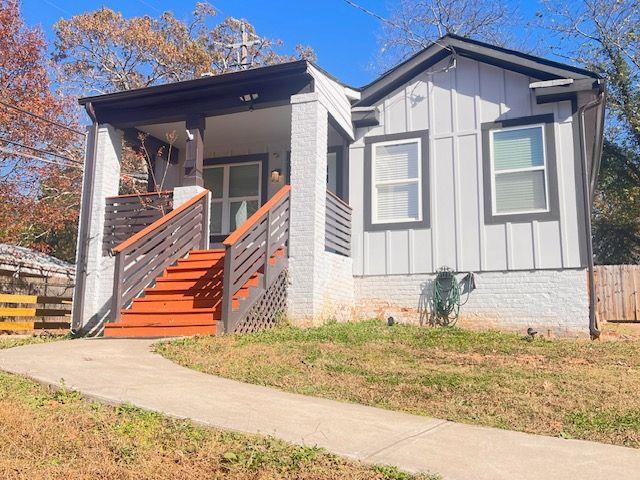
(552,83)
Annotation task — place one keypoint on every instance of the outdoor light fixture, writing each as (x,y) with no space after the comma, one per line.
(249,97)
(276,175)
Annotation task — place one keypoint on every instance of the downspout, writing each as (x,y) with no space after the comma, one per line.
(588,197)
(85,214)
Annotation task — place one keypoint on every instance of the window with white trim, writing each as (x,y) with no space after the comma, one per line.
(519,178)
(396,176)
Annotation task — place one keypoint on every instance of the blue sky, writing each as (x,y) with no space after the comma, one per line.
(345,39)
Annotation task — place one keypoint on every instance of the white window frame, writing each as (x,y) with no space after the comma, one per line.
(375,184)
(543,167)
(226,200)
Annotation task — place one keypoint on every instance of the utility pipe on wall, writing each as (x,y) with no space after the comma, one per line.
(588,190)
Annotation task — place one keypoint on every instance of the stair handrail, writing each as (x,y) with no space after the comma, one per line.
(141,258)
(249,249)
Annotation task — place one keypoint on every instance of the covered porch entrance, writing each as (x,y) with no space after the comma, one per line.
(229,148)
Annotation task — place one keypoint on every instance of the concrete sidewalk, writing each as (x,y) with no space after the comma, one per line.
(118,371)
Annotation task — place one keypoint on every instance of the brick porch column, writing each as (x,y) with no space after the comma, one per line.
(94,270)
(309,122)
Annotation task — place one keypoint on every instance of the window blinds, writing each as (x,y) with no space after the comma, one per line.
(397,182)
(519,170)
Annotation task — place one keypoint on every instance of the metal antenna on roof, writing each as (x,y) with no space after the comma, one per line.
(247,40)
(244,48)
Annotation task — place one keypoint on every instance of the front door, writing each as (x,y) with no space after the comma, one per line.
(235,194)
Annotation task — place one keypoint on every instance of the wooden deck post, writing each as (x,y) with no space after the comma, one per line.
(116,298)
(204,238)
(193,165)
(227,296)
(267,256)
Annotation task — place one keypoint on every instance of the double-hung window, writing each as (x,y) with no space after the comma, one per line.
(520,171)
(396,171)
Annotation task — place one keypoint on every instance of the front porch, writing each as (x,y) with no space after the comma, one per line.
(248,182)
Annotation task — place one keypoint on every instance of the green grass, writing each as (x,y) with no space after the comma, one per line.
(58,434)
(8,341)
(568,388)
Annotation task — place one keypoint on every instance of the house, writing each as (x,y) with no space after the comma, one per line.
(288,190)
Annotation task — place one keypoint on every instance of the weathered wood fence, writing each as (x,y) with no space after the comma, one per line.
(618,293)
(33,312)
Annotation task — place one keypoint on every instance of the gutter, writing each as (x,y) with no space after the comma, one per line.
(588,187)
(83,228)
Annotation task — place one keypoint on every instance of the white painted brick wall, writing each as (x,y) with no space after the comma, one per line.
(338,287)
(321,283)
(99,271)
(550,301)
(309,122)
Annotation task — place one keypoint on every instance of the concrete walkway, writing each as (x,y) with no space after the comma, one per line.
(118,371)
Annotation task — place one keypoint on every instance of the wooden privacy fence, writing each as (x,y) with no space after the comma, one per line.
(618,293)
(52,312)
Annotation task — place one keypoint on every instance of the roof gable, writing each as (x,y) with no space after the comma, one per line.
(530,65)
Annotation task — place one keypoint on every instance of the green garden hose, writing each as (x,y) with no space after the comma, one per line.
(445,298)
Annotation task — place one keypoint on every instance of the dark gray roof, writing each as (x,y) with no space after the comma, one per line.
(531,65)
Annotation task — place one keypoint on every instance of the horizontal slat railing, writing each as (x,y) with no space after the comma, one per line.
(337,226)
(248,251)
(126,215)
(141,258)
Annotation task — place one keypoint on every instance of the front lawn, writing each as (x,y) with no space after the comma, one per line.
(569,388)
(57,434)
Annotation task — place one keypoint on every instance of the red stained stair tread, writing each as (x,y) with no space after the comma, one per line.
(186,300)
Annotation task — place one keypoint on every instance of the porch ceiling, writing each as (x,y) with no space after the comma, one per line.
(268,125)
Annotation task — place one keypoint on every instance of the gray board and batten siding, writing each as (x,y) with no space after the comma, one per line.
(453,105)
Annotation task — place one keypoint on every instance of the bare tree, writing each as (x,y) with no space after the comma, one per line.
(416,24)
(603,36)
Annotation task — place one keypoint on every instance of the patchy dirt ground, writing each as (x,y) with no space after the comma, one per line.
(566,387)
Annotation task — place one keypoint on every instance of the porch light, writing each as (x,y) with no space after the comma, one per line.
(276,175)
(249,97)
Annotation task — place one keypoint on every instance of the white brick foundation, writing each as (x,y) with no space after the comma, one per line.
(550,301)
(338,288)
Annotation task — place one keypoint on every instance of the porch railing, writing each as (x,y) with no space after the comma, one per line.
(126,215)
(337,236)
(249,250)
(146,254)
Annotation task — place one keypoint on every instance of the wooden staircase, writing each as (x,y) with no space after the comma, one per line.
(186,300)
(166,285)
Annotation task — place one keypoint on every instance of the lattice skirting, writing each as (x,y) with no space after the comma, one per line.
(268,309)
